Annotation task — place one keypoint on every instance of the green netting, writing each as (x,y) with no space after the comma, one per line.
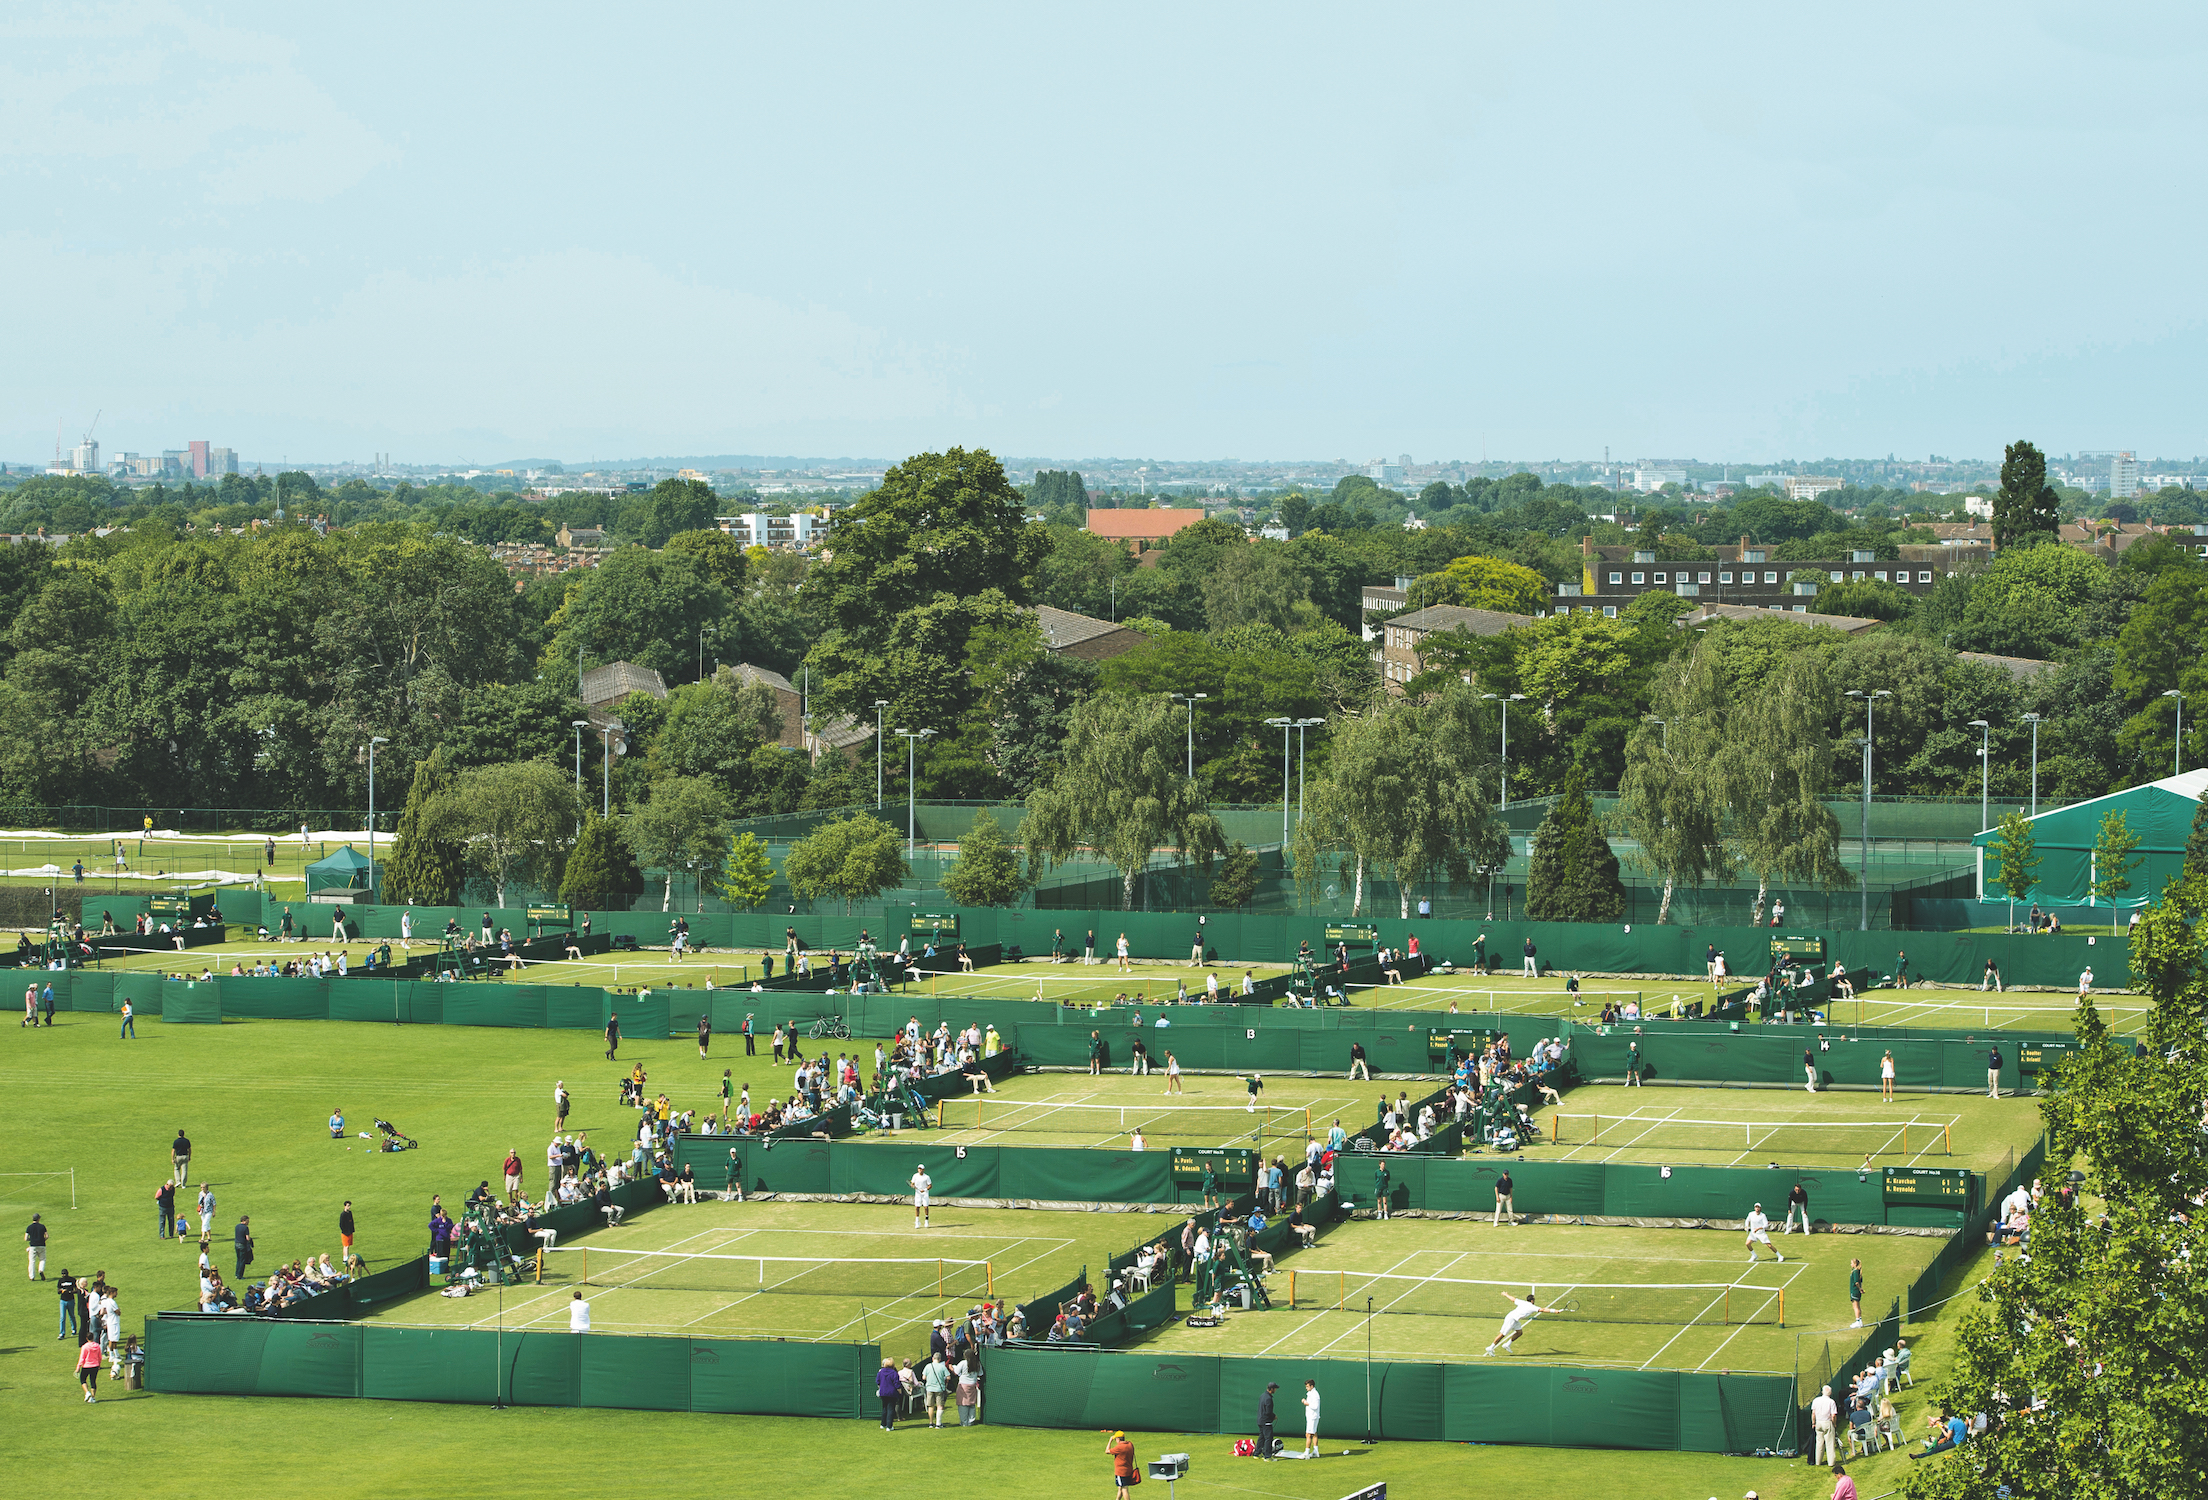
(1753,1055)
(275,999)
(189,1003)
(252,1357)
(639,1374)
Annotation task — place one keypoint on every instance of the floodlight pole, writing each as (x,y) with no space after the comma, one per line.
(373,741)
(912,739)
(2177,746)
(2033,720)
(1985,767)
(1284,725)
(1301,726)
(1368,1369)
(1503,800)
(879,705)
(1870,715)
(1191,699)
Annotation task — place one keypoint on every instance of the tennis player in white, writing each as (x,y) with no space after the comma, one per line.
(921,1182)
(1523,1310)
(1759,1229)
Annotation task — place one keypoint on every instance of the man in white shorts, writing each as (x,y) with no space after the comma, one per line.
(578,1314)
(2085,982)
(921,1182)
(1759,1231)
(1523,1310)
(1311,1419)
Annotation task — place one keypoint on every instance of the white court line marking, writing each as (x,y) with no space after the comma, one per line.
(1392,1270)
(1743,1325)
(1320,1352)
(1715,1302)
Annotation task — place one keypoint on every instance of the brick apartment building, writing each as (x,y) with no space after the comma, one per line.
(1402,637)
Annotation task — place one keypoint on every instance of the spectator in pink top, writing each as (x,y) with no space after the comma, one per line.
(1843,1488)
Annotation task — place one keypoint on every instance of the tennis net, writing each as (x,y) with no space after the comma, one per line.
(1206,1122)
(1672,1304)
(1826,1137)
(751,1275)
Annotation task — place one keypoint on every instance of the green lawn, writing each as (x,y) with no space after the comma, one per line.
(151,864)
(1077,1109)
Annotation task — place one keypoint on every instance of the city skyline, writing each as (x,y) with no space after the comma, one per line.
(1234,232)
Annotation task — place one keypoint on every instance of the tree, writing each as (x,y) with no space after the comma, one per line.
(747,875)
(1236,881)
(2090,1354)
(1671,800)
(2016,856)
(2196,847)
(2114,858)
(601,871)
(1781,827)
(857,859)
(718,555)
(640,606)
(2026,509)
(513,822)
(674,505)
(1483,583)
(2034,602)
(425,865)
(1121,791)
(941,546)
(683,827)
(1411,790)
(1059,487)
(987,871)
(1573,875)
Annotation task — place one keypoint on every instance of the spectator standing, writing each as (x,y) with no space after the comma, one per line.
(888,1389)
(1855,1291)
(613,1035)
(34,1244)
(969,1391)
(513,1170)
(1502,1202)
(1822,1413)
(751,1043)
(129,1027)
(47,1003)
(88,1366)
(164,1202)
(66,1287)
(937,1379)
(1265,1422)
(180,1157)
(560,1105)
(345,1234)
(1123,1461)
(206,1209)
(241,1240)
(1533,964)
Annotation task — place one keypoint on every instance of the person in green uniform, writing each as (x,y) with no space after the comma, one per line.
(1096,1054)
(1380,1189)
(727,1095)
(1211,1185)
(735,1183)
(1633,1065)
(1855,1291)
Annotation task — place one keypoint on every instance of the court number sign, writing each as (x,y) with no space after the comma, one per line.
(1228,1163)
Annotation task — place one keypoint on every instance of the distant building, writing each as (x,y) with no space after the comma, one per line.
(1747,574)
(1381,599)
(85,457)
(842,734)
(1384,472)
(221,461)
(757,529)
(1649,481)
(1980,506)
(577,537)
(2022,668)
(197,462)
(1403,637)
(2123,477)
(1810,486)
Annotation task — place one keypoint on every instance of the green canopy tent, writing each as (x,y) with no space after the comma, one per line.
(2160,816)
(344,871)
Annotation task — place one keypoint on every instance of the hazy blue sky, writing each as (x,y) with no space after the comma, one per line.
(468,233)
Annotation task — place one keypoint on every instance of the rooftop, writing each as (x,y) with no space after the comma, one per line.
(1460,617)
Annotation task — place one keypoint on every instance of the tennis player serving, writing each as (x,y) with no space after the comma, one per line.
(1523,1310)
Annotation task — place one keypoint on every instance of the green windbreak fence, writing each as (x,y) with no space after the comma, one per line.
(1758,1055)
(1614,1190)
(261,1357)
(1596,947)
(1546,1405)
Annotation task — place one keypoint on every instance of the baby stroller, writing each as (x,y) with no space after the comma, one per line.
(393,1140)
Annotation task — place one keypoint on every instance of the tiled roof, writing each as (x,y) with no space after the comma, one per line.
(749,673)
(1846,624)
(2020,667)
(1147,525)
(616,680)
(1062,627)
(1459,617)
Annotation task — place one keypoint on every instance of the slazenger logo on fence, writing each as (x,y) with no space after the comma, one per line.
(1580,1385)
(704,1354)
(1170,1372)
(1713,1048)
(322,1336)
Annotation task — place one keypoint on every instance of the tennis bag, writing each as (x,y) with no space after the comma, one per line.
(1245,1447)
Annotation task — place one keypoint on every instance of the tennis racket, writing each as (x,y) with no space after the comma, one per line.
(1568,1305)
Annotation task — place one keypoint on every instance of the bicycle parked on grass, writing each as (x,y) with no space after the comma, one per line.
(829,1028)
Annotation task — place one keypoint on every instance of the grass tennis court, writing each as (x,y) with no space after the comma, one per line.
(834,1271)
(1748,1127)
(1685,1299)
(1076,1109)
